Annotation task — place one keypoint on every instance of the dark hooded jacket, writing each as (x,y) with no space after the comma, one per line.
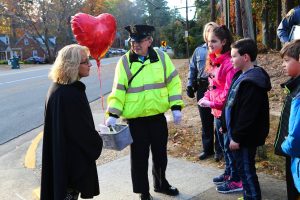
(292,88)
(70,144)
(249,116)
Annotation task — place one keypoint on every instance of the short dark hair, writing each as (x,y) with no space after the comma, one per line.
(246,46)
(291,49)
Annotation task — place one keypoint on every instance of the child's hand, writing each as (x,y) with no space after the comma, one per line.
(221,130)
(204,103)
(233,145)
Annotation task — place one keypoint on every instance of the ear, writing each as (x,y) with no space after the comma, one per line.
(223,42)
(247,57)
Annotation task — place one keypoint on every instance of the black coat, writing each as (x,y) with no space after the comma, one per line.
(250,110)
(292,88)
(70,144)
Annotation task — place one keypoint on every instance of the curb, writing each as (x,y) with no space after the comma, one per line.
(30,161)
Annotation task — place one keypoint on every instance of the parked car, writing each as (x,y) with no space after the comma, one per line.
(121,51)
(35,60)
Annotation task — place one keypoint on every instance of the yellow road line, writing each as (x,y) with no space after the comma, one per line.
(30,157)
(36,193)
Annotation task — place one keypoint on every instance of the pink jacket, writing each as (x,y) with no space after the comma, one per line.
(220,78)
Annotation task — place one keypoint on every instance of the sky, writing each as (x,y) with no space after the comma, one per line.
(182,3)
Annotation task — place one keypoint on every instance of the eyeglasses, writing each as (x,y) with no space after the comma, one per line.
(85,62)
(139,42)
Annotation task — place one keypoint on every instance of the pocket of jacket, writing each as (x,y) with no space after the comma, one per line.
(131,97)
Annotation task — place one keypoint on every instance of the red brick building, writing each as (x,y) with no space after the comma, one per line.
(30,47)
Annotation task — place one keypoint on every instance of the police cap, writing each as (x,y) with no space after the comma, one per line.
(139,32)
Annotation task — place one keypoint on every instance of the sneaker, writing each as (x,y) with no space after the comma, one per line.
(230,186)
(219,180)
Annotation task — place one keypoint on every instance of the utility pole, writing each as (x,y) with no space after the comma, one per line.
(186,34)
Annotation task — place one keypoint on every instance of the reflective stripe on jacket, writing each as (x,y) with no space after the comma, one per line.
(153,90)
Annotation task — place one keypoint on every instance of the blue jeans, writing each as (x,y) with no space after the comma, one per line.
(230,165)
(245,161)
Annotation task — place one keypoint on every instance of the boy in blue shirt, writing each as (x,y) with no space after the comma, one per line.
(291,145)
(246,114)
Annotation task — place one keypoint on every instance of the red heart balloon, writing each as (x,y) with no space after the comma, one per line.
(96,33)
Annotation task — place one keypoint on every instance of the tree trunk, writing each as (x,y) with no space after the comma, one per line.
(226,11)
(213,10)
(278,20)
(265,23)
(238,19)
(247,20)
(287,5)
(13,25)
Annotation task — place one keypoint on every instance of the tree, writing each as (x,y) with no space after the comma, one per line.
(247,23)
(213,10)
(265,23)
(122,11)
(238,19)
(43,19)
(278,20)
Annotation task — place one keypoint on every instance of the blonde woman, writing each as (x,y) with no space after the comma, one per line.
(71,144)
(198,82)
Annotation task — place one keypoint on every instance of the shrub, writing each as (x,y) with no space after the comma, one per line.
(3,62)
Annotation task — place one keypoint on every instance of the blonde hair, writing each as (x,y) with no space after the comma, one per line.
(209,25)
(66,66)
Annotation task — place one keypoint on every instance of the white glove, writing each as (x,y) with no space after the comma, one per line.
(204,103)
(177,116)
(111,121)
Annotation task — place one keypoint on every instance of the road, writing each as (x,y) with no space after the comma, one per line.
(23,92)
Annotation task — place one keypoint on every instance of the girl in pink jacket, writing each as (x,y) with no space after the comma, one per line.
(221,72)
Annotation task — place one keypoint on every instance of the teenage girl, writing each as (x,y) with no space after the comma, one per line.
(221,72)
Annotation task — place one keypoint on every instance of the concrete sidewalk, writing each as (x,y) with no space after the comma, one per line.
(194,181)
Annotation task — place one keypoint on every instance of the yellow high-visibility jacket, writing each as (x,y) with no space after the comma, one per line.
(154,90)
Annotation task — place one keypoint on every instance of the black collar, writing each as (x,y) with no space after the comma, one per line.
(80,85)
(292,84)
(133,57)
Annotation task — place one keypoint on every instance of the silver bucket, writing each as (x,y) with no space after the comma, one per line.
(115,137)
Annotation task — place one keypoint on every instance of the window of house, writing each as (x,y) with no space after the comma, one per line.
(7,40)
(34,53)
(26,42)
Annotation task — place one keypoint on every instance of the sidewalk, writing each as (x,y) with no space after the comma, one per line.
(192,179)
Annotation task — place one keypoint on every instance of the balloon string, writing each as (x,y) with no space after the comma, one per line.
(99,77)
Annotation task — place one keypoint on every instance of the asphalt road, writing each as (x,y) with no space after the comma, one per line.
(23,92)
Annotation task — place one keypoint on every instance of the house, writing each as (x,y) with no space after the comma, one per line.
(6,50)
(30,47)
(25,47)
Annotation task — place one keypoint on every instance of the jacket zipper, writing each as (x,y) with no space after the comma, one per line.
(298,168)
